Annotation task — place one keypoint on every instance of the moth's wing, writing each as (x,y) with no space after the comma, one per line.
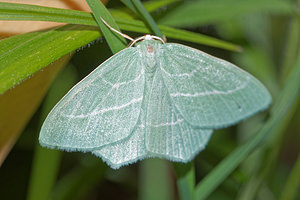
(168,135)
(207,91)
(126,151)
(102,108)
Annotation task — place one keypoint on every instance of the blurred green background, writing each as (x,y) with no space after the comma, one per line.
(268,32)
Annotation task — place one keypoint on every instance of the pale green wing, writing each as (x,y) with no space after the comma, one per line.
(168,135)
(207,91)
(126,151)
(103,108)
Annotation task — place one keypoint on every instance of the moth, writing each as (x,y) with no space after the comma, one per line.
(152,99)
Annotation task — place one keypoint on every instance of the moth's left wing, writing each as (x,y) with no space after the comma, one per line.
(101,109)
(207,91)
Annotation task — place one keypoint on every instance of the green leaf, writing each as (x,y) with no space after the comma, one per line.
(282,105)
(196,13)
(23,55)
(13,11)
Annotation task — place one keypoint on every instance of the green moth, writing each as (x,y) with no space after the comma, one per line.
(152,99)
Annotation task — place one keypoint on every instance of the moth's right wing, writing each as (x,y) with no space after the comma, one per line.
(168,134)
(210,92)
(101,109)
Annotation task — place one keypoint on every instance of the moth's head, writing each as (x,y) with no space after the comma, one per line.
(149,46)
(146,38)
(149,49)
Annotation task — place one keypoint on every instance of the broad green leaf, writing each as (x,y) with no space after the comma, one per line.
(199,12)
(13,11)
(23,55)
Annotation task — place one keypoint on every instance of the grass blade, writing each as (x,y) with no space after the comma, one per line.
(138,26)
(150,5)
(216,11)
(115,41)
(185,180)
(291,187)
(78,182)
(147,17)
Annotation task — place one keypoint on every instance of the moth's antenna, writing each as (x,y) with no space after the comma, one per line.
(111,28)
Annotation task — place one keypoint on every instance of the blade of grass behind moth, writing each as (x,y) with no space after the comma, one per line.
(291,187)
(78,182)
(185,180)
(150,5)
(147,17)
(129,12)
(115,41)
(281,107)
(213,11)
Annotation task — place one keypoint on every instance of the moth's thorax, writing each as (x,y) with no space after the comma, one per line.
(149,51)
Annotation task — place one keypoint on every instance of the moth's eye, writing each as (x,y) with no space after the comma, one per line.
(150,49)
